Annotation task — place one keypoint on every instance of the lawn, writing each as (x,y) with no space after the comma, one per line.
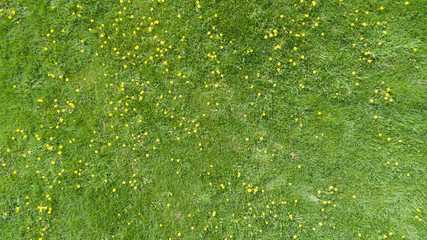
(213,119)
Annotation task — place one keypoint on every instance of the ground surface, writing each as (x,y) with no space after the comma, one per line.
(212,119)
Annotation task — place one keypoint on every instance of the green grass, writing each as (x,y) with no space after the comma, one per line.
(227,120)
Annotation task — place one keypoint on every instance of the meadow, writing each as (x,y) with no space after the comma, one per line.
(213,119)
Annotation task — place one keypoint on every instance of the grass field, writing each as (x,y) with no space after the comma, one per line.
(219,119)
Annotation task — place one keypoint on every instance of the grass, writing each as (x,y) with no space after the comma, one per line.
(212,119)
